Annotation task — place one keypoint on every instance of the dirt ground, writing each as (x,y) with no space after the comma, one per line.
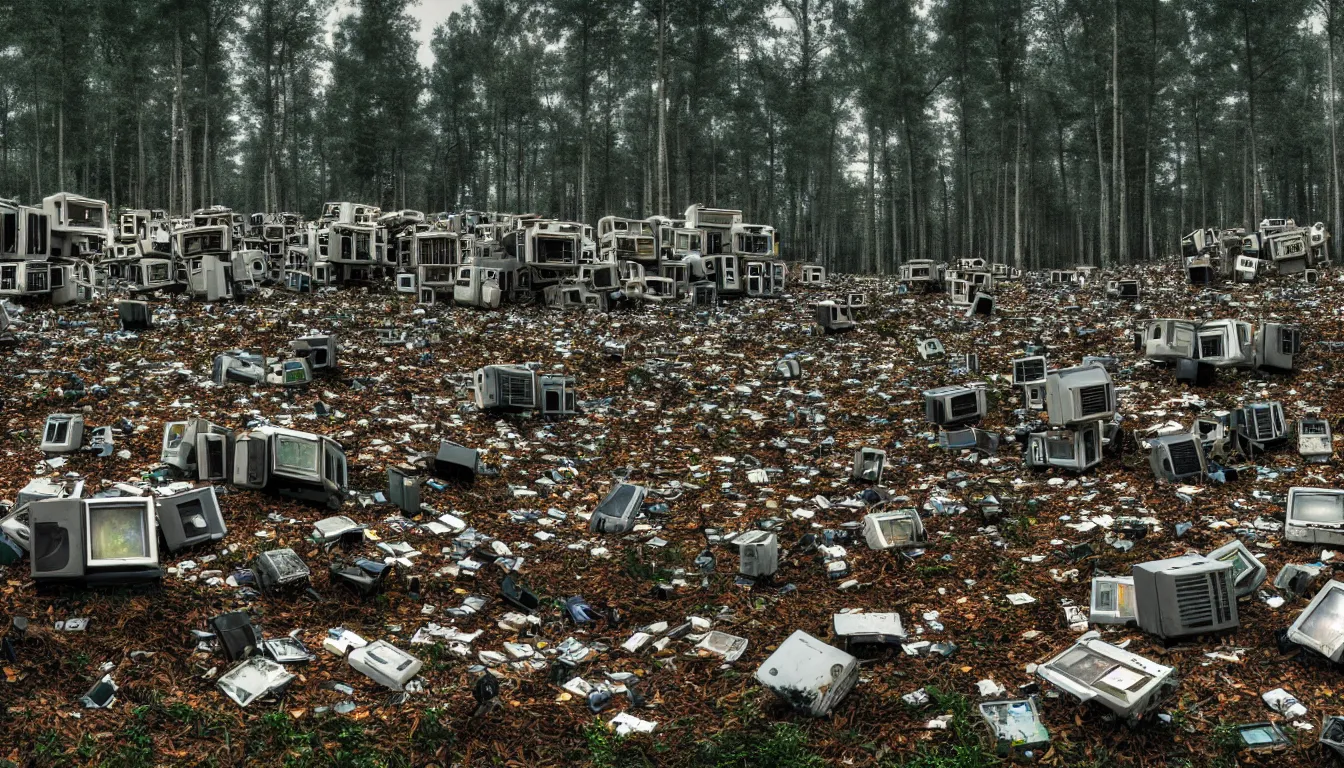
(693,389)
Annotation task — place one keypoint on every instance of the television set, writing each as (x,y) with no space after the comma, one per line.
(1315,516)
(1186,595)
(1259,426)
(190,518)
(895,529)
(1176,457)
(1079,395)
(214,454)
(1094,670)
(62,433)
(617,511)
(954,405)
(813,274)
(1113,600)
(234,368)
(811,676)
(1248,572)
(868,464)
(1320,626)
(1225,344)
(757,553)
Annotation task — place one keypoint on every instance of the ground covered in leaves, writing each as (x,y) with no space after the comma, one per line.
(669,425)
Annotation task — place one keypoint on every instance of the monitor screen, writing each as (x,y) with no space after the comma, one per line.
(296,455)
(1326,621)
(1317,508)
(118,532)
(294,373)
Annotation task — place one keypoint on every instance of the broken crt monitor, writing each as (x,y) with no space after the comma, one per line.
(1275,345)
(1093,670)
(190,518)
(954,405)
(1176,457)
(930,349)
(1320,626)
(868,628)
(1259,426)
(1186,595)
(1016,725)
(1078,449)
(617,511)
(63,433)
(456,462)
(1169,340)
(1225,344)
(385,664)
(506,387)
(557,394)
(108,541)
(1248,572)
(1315,442)
(1112,600)
(810,675)
(895,529)
(1079,395)
(319,350)
(279,570)
(758,554)
(1315,516)
(134,316)
(296,464)
(834,317)
(868,464)
(290,372)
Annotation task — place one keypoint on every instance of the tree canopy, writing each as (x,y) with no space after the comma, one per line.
(1037,132)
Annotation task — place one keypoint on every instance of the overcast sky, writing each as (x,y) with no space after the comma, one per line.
(431,13)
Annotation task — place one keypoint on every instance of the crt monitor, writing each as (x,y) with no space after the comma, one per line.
(120,533)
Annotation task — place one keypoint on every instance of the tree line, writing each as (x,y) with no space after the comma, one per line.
(868,132)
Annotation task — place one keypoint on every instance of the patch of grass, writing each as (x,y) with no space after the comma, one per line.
(782,745)
(607,750)
(964,749)
(135,747)
(50,747)
(435,731)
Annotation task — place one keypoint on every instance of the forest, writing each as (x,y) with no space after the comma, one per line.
(1033,132)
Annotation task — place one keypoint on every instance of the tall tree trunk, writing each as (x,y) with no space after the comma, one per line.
(1103,202)
(1116,170)
(1017,191)
(1337,220)
(662,110)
